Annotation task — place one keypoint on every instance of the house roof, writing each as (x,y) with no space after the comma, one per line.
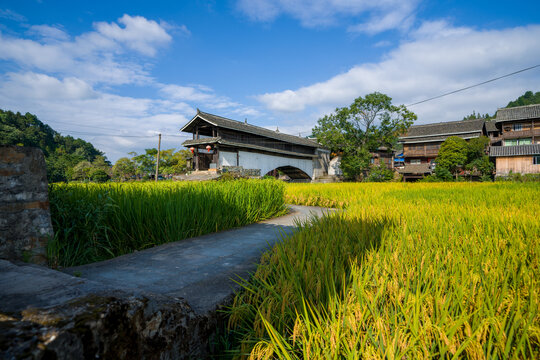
(466,129)
(417,169)
(491,126)
(518,113)
(517,150)
(223,122)
(219,140)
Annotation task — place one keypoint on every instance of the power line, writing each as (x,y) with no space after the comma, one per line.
(475,85)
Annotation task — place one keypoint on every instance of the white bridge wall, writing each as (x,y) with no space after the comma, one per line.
(227,158)
(252,160)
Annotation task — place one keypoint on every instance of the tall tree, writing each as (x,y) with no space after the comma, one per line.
(529,98)
(452,155)
(369,123)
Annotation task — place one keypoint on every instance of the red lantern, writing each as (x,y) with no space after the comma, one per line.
(192,149)
(208,147)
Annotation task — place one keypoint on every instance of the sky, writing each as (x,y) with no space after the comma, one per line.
(117,73)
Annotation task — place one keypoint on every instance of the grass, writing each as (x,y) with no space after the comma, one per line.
(94,222)
(407,271)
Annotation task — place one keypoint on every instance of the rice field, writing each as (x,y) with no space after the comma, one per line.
(407,271)
(94,222)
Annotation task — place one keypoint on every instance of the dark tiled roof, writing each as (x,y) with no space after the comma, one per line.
(219,140)
(201,141)
(428,139)
(415,169)
(491,126)
(518,150)
(252,129)
(518,113)
(438,131)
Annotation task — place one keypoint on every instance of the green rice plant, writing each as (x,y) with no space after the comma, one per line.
(94,222)
(432,270)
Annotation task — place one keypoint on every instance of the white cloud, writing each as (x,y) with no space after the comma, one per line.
(49,32)
(369,16)
(11,15)
(138,33)
(437,58)
(96,56)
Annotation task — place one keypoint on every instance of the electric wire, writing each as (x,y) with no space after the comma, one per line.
(472,86)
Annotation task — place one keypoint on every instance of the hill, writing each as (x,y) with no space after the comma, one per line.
(62,153)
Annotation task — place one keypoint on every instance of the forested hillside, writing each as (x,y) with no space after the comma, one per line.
(62,153)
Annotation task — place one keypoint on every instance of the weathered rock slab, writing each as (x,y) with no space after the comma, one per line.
(25,222)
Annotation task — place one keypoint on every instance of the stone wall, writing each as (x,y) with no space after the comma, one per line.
(25,222)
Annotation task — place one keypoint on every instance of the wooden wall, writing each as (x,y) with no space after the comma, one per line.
(518,164)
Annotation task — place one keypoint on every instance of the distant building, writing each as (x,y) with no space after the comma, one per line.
(421,144)
(516,146)
(220,143)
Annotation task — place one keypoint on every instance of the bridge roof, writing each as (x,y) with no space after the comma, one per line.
(240,126)
(219,140)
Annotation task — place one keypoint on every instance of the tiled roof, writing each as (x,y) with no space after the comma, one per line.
(428,139)
(491,126)
(219,140)
(251,129)
(517,150)
(415,169)
(518,113)
(438,131)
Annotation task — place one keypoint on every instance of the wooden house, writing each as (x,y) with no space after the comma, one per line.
(516,148)
(421,144)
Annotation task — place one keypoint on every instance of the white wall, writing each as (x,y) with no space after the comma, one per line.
(251,160)
(227,158)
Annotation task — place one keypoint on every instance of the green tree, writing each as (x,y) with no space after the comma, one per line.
(62,153)
(477,158)
(99,175)
(380,173)
(529,98)
(82,171)
(367,124)
(145,163)
(452,155)
(124,169)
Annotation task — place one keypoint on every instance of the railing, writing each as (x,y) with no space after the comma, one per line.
(427,152)
(520,134)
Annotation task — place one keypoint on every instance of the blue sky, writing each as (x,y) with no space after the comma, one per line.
(118,72)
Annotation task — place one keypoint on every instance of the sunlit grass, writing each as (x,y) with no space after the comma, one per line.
(94,222)
(407,271)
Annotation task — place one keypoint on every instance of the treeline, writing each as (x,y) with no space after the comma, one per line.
(62,153)
(529,98)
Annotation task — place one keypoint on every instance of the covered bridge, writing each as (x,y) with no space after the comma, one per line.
(219,142)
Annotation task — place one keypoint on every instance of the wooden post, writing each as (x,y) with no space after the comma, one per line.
(157,162)
(196,159)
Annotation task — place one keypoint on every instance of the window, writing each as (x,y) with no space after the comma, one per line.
(510,142)
(415,161)
(527,141)
(517,127)
(536,160)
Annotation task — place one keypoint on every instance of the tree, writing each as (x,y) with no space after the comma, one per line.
(124,168)
(99,175)
(380,173)
(477,159)
(62,153)
(526,99)
(367,124)
(82,171)
(452,155)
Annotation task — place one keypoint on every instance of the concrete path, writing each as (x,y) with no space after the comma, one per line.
(197,269)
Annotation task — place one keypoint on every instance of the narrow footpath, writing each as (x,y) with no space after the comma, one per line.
(200,270)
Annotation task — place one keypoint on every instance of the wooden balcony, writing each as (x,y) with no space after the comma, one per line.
(529,133)
(421,153)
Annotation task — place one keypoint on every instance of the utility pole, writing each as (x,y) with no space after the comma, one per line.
(157,162)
